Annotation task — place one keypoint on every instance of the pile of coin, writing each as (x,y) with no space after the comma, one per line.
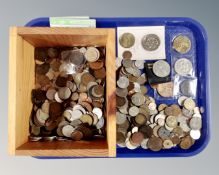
(69,97)
(141,122)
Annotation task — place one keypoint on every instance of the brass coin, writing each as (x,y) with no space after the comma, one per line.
(182,44)
(186,142)
(100,73)
(165,89)
(140,119)
(127,40)
(175,139)
(155,143)
(176,110)
(86,78)
(127,54)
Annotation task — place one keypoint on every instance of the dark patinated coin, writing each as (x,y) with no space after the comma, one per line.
(55,110)
(61,81)
(53,52)
(38,96)
(77,135)
(42,69)
(136,138)
(40,54)
(120,101)
(146,130)
(127,54)
(100,73)
(155,143)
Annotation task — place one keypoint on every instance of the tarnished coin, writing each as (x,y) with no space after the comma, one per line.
(92,54)
(186,142)
(146,130)
(189,104)
(155,143)
(163,133)
(167,144)
(165,89)
(182,44)
(176,110)
(127,40)
(121,92)
(96,65)
(42,69)
(183,66)
(161,68)
(161,107)
(77,135)
(87,78)
(195,123)
(140,119)
(55,65)
(100,73)
(150,42)
(120,101)
(61,81)
(171,121)
(64,93)
(127,54)
(136,138)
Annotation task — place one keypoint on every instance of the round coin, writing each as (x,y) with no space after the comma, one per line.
(127,54)
(67,130)
(161,68)
(182,44)
(183,66)
(150,42)
(155,144)
(92,54)
(127,40)
(195,123)
(133,111)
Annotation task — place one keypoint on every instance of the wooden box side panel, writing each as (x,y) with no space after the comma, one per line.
(21,82)
(110,90)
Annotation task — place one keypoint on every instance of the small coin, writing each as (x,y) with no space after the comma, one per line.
(189,104)
(155,143)
(163,133)
(55,109)
(165,89)
(120,138)
(120,118)
(176,110)
(73,56)
(98,112)
(167,144)
(61,81)
(140,119)
(195,134)
(67,130)
(161,68)
(183,66)
(127,40)
(123,82)
(168,111)
(92,54)
(50,94)
(77,135)
(100,123)
(34,138)
(150,42)
(120,101)
(127,63)
(195,123)
(87,78)
(40,54)
(127,54)
(98,91)
(136,138)
(144,144)
(121,92)
(182,44)
(133,111)
(171,121)
(64,93)
(186,142)
(138,99)
(42,69)
(139,64)
(161,107)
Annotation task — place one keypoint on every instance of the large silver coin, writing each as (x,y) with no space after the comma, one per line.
(161,68)
(127,40)
(138,99)
(150,42)
(183,66)
(187,89)
(123,82)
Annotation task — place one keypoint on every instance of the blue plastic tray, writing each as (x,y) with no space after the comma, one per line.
(201,59)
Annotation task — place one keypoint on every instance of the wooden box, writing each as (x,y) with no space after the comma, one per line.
(23,40)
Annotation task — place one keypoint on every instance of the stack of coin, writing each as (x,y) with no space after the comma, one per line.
(68,100)
(141,122)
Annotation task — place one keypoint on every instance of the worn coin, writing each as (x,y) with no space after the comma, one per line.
(67,130)
(77,135)
(127,54)
(155,143)
(64,93)
(183,66)
(127,40)
(150,42)
(133,111)
(92,54)
(182,44)
(167,144)
(138,99)
(161,68)
(189,104)
(195,123)
(165,89)
(136,138)
(186,142)
(123,82)
(171,121)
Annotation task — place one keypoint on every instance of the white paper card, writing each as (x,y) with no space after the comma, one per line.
(137,50)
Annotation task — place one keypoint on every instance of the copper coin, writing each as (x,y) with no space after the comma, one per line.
(98,90)
(146,130)
(87,132)
(100,73)
(186,142)
(137,138)
(96,65)
(77,135)
(55,109)
(165,89)
(127,54)
(175,139)
(168,110)
(97,104)
(42,80)
(55,65)
(42,69)
(87,78)
(176,110)
(155,143)
(120,101)
(61,81)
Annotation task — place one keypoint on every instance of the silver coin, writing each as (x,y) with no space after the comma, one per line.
(150,42)
(92,54)
(120,118)
(138,99)
(127,63)
(136,72)
(195,123)
(144,144)
(187,113)
(100,123)
(187,88)
(68,68)
(34,138)
(98,112)
(64,93)
(195,134)
(76,114)
(133,111)
(123,82)
(161,68)
(67,130)
(139,64)
(183,66)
